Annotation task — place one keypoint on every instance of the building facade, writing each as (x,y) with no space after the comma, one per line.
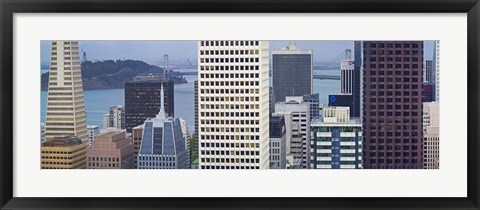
(111,150)
(115,118)
(356,111)
(137,133)
(346,76)
(278,145)
(292,72)
(297,113)
(64,153)
(162,145)
(436,67)
(233,104)
(65,103)
(336,140)
(92,131)
(142,99)
(431,135)
(429,73)
(392,98)
(314,100)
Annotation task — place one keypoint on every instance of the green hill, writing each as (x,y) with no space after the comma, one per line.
(112,74)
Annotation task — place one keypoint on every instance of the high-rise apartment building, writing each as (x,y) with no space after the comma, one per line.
(195,146)
(64,152)
(65,103)
(137,133)
(292,72)
(278,144)
(431,135)
(336,140)
(356,110)
(115,118)
(163,145)
(92,131)
(233,104)
(392,98)
(142,99)
(111,150)
(297,112)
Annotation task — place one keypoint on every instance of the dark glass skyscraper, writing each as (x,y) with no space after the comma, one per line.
(392,104)
(357,79)
(142,99)
(292,72)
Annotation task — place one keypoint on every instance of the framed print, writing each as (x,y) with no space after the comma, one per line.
(239,105)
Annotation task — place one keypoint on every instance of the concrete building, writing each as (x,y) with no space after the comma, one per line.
(195,146)
(115,118)
(137,133)
(278,145)
(186,137)
(336,140)
(111,150)
(392,98)
(64,153)
(162,145)
(142,99)
(429,73)
(297,114)
(92,131)
(292,72)
(314,100)
(233,104)
(65,103)
(431,135)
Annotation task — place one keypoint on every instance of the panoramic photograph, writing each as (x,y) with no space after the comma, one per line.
(240,104)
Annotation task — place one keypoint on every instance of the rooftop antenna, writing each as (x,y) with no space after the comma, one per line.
(161,114)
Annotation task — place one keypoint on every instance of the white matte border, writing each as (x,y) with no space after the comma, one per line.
(449,181)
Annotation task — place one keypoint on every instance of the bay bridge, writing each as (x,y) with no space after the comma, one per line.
(315,76)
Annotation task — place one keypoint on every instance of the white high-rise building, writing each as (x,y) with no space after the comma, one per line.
(93,130)
(431,135)
(436,66)
(65,103)
(233,95)
(297,113)
(115,118)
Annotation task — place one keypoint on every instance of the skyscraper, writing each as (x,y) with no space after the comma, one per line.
(233,104)
(314,100)
(392,119)
(356,110)
(431,134)
(92,131)
(297,112)
(115,118)
(429,74)
(111,150)
(142,99)
(346,76)
(65,103)
(337,140)
(278,144)
(163,145)
(292,72)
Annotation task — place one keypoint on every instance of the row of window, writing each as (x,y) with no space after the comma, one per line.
(391,127)
(230,91)
(231,137)
(396,45)
(103,165)
(231,83)
(390,107)
(235,107)
(229,43)
(392,52)
(391,100)
(393,59)
(391,134)
(223,152)
(390,141)
(230,122)
(229,145)
(390,114)
(230,167)
(391,79)
(221,76)
(229,52)
(397,66)
(393,147)
(391,161)
(230,160)
(235,67)
(391,86)
(223,129)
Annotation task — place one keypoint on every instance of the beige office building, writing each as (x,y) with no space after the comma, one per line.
(64,153)
(65,104)
(233,93)
(431,135)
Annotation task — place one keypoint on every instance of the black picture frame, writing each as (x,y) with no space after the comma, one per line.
(10,7)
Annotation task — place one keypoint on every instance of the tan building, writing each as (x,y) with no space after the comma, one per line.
(64,153)
(137,133)
(65,103)
(111,150)
(431,135)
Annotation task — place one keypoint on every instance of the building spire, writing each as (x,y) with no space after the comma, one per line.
(162,106)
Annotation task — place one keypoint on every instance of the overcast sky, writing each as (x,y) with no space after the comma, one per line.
(179,51)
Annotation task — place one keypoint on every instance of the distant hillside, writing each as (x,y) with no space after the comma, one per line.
(111,74)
